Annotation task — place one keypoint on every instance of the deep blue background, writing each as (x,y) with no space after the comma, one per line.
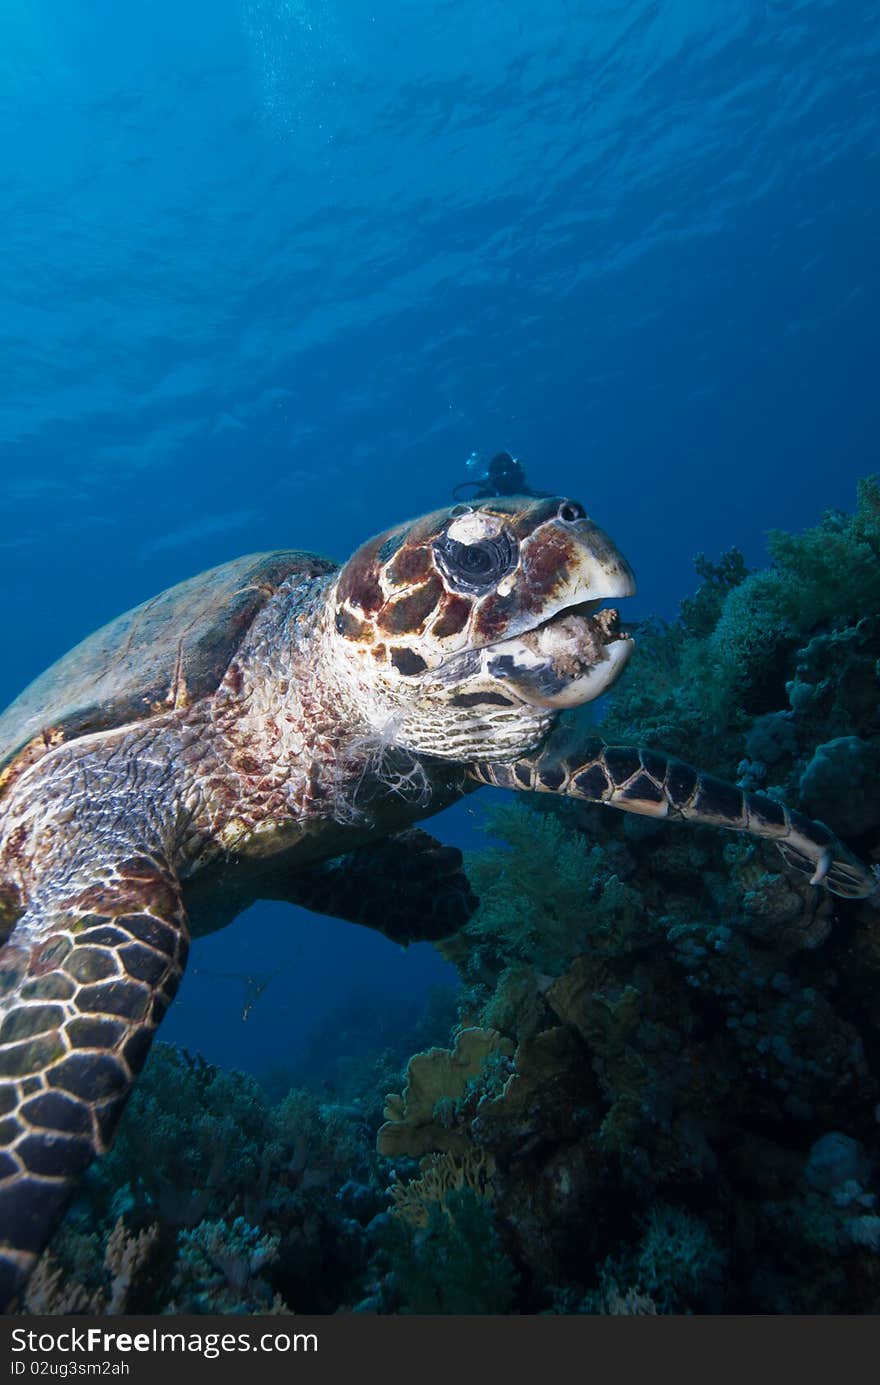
(270,270)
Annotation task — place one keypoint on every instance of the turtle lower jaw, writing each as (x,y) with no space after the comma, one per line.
(572,658)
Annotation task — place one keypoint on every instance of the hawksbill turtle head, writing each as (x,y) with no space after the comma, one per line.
(468,630)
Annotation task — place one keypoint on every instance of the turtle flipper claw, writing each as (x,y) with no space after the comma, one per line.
(837,871)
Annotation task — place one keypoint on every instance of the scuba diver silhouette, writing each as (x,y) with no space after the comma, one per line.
(504,475)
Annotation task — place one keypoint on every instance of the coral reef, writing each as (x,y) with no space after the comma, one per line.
(233,1204)
(424,1117)
(52,1289)
(660,1091)
(706,1022)
(441,1175)
(218,1270)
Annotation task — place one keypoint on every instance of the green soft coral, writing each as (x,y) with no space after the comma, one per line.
(192,1137)
(690,683)
(676,1267)
(315,1146)
(540,892)
(457,1264)
(828,575)
(219,1269)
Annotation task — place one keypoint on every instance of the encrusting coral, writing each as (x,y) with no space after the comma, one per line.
(421,1120)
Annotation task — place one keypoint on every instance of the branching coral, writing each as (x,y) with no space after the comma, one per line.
(676,1266)
(441,1175)
(53,1290)
(317,1146)
(192,1135)
(535,890)
(218,1269)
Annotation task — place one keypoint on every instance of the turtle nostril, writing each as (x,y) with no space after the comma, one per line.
(570,511)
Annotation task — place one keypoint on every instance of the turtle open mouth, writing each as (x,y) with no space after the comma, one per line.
(571,657)
(577,634)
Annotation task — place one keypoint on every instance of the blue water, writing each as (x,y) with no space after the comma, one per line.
(270,270)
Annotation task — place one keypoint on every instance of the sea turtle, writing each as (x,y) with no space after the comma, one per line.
(274,728)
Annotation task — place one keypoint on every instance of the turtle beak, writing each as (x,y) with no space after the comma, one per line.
(577,647)
(569,659)
(596,571)
(545,636)
(562,564)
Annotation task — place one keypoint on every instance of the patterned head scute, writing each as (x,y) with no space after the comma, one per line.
(416,603)
(475,552)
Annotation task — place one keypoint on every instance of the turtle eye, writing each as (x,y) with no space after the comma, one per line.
(476,567)
(570,511)
(473,559)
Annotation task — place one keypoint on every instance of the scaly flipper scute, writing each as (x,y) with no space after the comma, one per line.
(84,982)
(655,785)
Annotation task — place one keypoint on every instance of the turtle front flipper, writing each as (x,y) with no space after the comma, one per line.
(655,785)
(84,982)
(409,887)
